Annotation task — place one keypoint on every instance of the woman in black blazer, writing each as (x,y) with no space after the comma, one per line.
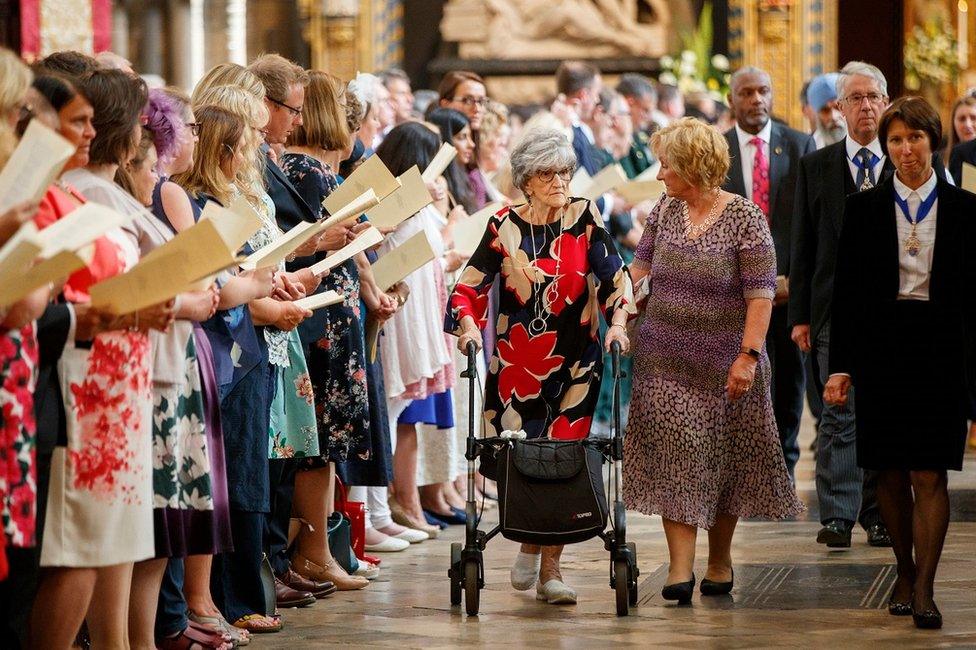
(902,326)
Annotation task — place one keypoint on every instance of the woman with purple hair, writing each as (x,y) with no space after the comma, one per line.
(185,599)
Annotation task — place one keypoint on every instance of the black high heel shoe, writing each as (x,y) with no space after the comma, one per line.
(712,588)
(896,608)
(679,591)
(929,619)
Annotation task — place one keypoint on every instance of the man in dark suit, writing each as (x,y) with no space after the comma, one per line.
(578,84)
(284,83)
(765,156)
(825,179)
(638,91)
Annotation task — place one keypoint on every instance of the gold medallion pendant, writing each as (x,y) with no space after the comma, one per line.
(912,245)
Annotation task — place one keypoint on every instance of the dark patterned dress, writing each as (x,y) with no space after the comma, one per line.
(689,452)
(336,349)
(544,375)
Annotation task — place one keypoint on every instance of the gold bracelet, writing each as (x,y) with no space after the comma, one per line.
(618,325)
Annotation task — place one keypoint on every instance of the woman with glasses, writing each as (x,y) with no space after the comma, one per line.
(466,92)
(557,267)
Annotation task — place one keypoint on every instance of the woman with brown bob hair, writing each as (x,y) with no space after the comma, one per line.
(333,338)
(100,505)
(903,323)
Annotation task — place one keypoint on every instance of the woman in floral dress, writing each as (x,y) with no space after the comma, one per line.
(100,506)
(333,338)
(558,267)
(18,357)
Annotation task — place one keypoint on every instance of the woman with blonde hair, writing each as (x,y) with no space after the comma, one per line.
(227,74)
(243,374)
(706,259)
(15,80)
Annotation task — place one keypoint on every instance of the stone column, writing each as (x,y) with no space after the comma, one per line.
(179,44)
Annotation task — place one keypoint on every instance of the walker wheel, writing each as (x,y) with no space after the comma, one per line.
(472,590)
(621,576)
(454,573)
(634,573)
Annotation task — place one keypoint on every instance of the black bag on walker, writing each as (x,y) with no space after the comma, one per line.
(550,492)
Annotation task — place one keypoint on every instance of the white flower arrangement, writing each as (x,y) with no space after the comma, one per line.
(695,69)
(930,55)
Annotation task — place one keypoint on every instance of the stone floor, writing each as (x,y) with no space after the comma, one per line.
(790,592)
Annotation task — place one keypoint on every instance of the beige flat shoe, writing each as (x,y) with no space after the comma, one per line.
(331,572)
(401,517)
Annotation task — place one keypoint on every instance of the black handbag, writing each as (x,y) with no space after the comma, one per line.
(340,542)
(550,492)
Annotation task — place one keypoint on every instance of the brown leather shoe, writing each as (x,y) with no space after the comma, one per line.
(288,597)
(301,583)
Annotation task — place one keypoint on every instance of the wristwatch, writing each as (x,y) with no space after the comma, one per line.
(752,352)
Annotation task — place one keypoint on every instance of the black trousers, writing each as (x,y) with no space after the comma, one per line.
(282,473)
(788,384)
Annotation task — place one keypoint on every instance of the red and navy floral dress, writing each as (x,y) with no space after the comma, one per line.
(18,482)
(544,375)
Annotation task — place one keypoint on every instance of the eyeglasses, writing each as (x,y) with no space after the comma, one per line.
(857,98)
(194,128)
(291,109)
(472,101)
(548,175)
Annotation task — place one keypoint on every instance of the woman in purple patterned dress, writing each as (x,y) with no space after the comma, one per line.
(702,448)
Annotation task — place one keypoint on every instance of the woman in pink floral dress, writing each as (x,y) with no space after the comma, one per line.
(100,505)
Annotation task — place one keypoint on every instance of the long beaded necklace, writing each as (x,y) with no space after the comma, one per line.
(692,230)
(543,303)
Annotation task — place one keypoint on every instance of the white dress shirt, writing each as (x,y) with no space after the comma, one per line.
(747,153)
(854,162)
(914,272)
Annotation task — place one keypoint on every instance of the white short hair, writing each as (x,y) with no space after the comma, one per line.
(860,69)
(366,88)
(540,150)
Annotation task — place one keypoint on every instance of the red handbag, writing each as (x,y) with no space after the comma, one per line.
(355,512)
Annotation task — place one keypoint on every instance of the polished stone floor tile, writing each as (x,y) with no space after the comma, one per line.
(789,592)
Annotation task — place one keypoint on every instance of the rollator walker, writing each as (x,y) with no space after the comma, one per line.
(566,475)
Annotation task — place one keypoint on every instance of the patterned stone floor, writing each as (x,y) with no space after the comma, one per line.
(790,592)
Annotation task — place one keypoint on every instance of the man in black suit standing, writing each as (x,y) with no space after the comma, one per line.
(764,159)
(825,179)
(284,83)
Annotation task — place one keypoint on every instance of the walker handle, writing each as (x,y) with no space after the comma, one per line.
(615,358)
(472,351)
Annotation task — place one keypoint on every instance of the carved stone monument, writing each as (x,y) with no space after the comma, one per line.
(543,29)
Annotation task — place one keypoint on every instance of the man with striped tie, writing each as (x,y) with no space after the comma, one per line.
(765,156)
